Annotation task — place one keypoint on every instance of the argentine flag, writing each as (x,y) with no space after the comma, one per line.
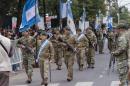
(109,22)
(97,23)
(63,9)
(70,21)
(30,15)
(83,25)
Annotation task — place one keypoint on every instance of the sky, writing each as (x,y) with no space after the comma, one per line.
(123,2)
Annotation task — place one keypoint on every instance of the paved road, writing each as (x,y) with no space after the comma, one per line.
(100,76)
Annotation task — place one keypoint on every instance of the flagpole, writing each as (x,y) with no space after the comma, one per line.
(36,36)
(44,14)
(84,14)
(60,15)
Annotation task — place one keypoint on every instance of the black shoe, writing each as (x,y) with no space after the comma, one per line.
(46,84)
(28,81)
(69,80)
(92,66)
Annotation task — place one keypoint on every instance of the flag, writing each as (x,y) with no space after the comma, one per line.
(97,23)
(63,10)
(109,22)
(83,25)
(30,15)
(70,21)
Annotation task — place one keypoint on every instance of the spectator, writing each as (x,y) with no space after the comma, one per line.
(6,51)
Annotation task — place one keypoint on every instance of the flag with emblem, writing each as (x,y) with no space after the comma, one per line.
(109,22)
(63,9)
(70,21)
(97,23)
(30,15)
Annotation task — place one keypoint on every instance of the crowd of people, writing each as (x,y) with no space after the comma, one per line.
(43,47)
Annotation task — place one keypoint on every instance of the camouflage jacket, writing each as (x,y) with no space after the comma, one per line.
(91,37)
(82,42)
(47,52)
(28,43)
(122,47)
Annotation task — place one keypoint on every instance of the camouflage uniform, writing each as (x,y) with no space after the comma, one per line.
(69,55)
(91,51)
(28,59)
(57,48)
(82,47)
(100,40)
(122,58)
(45,56)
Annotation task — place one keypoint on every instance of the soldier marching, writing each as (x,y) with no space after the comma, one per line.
(80,47)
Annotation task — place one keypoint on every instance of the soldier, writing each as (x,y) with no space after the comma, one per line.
(121,56)
(100,40)
(82,47)
(25,43)
(91,51)
(69,52)
(46,56)
(58,48)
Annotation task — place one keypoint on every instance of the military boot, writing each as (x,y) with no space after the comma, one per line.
(70,78)
(46,81)
(29,80)
(92,66)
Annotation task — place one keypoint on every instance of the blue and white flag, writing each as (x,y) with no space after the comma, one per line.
(70,21)
(63,9)
(83,25)
(97,23)
(109,22)
(30,15)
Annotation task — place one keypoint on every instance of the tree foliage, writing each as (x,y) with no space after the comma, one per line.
(8,7)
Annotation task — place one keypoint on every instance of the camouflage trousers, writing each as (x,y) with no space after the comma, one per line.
(28,62)
(44,68)
(81,57)
(90,56)
(58,57)
(69,62)
(122,68)
(100,45)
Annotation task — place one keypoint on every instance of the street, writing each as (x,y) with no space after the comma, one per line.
(100,76)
